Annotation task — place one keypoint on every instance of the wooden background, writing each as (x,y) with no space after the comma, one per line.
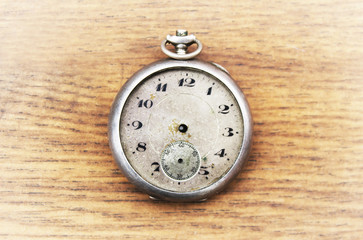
(300,64)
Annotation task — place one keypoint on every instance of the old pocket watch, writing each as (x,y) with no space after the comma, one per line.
(180,129)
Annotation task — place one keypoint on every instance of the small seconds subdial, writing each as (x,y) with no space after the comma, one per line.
(180,160)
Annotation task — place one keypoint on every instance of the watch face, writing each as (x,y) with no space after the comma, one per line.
(181,129)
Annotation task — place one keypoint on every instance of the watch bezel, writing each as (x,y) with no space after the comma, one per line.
(114,130)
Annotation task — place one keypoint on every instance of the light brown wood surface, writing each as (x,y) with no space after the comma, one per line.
(300,64)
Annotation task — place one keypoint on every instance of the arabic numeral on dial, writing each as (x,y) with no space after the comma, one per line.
(229,132)
(136,124)
(147,103)
(187,82)
(141,147)
(195,153)
(156,166)
(203,171)
(221,153)
(224,109)
(161,87)
(209,92)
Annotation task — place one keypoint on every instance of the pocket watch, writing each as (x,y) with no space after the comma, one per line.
(180,129)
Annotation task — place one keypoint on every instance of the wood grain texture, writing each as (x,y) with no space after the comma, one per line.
(300,64)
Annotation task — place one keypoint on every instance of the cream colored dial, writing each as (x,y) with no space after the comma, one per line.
(181,107)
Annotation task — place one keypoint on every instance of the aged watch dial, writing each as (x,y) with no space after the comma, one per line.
(181,129)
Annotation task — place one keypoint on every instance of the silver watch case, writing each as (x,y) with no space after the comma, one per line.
(114,130)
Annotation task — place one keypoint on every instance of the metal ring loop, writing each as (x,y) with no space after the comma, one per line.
(181,56)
